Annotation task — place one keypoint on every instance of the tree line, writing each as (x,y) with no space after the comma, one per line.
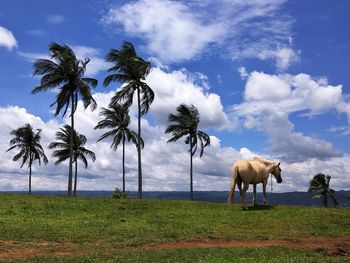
(66,73)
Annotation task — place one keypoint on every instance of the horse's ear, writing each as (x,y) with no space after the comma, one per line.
(279,164)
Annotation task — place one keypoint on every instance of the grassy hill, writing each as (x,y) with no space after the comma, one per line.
(106,230)
(288,198)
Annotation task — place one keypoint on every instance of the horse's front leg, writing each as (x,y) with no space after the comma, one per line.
(264,192)
(254,195)
(243,192)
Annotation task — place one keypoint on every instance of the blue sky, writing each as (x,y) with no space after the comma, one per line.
(269,77)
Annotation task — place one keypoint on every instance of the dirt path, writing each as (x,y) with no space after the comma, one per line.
(12,250)
(330,246)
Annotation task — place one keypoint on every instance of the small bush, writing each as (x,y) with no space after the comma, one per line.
(118,194)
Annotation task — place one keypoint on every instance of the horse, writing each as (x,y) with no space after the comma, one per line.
(252,172)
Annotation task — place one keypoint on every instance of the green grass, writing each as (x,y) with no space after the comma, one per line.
(102,224)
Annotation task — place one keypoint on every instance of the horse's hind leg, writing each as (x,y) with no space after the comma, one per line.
(231,195)
(239,185)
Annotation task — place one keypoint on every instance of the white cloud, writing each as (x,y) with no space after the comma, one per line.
(284,57)
(55,19)
(31,57)
(292,93)
(175,31)
(269,99)
(97,62)
(261,86)
(243,73)
(165,165)
(319,96)
(93,68)
(176,87)
(7,39)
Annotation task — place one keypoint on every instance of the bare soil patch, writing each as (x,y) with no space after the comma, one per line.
(339,246)
(13,250)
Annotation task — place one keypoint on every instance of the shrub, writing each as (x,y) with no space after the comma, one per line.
(118,194)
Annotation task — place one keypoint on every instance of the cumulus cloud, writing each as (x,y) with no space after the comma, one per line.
(97,62)
(176,87)
(7,39)
(96,65)
(283,57)
(269,99)
(292,93)
(175,31)
(262,86)
(171,30)
(165,165)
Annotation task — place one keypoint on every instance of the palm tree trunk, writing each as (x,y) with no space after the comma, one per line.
(75,177)
(70,175)
(123,164)
(139,193)
(30,174)
(191,170)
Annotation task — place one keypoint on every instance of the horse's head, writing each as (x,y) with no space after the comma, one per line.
(277,172)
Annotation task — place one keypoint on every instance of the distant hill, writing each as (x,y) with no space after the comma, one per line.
(290,198)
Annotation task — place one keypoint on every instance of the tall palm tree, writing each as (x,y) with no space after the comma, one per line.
(65,72)
(28,144)
(320,184)
(63,149)
(186,124)
(131,71)
(117,119)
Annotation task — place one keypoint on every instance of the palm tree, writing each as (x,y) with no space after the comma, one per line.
(28,143)
(131,71)
(186,124)
(320,183)
(63,149)
(65,72)
(117,119)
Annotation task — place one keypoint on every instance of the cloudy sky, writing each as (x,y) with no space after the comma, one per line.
(269,77)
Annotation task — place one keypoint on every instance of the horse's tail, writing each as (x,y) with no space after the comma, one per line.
(235,178)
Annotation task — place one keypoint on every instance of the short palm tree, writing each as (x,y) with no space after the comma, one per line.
(320,184)
(117,120)
(65,72)
(131,71)
(62,152)
(185,123)
(28,143)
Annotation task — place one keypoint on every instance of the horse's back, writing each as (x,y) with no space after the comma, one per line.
(242,164)
(250,171)
(243,167)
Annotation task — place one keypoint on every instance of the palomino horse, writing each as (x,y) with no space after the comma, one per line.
(252,172)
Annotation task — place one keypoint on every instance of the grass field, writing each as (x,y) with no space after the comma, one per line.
(94,229)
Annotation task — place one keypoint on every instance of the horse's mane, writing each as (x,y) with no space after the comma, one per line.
(261,160)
